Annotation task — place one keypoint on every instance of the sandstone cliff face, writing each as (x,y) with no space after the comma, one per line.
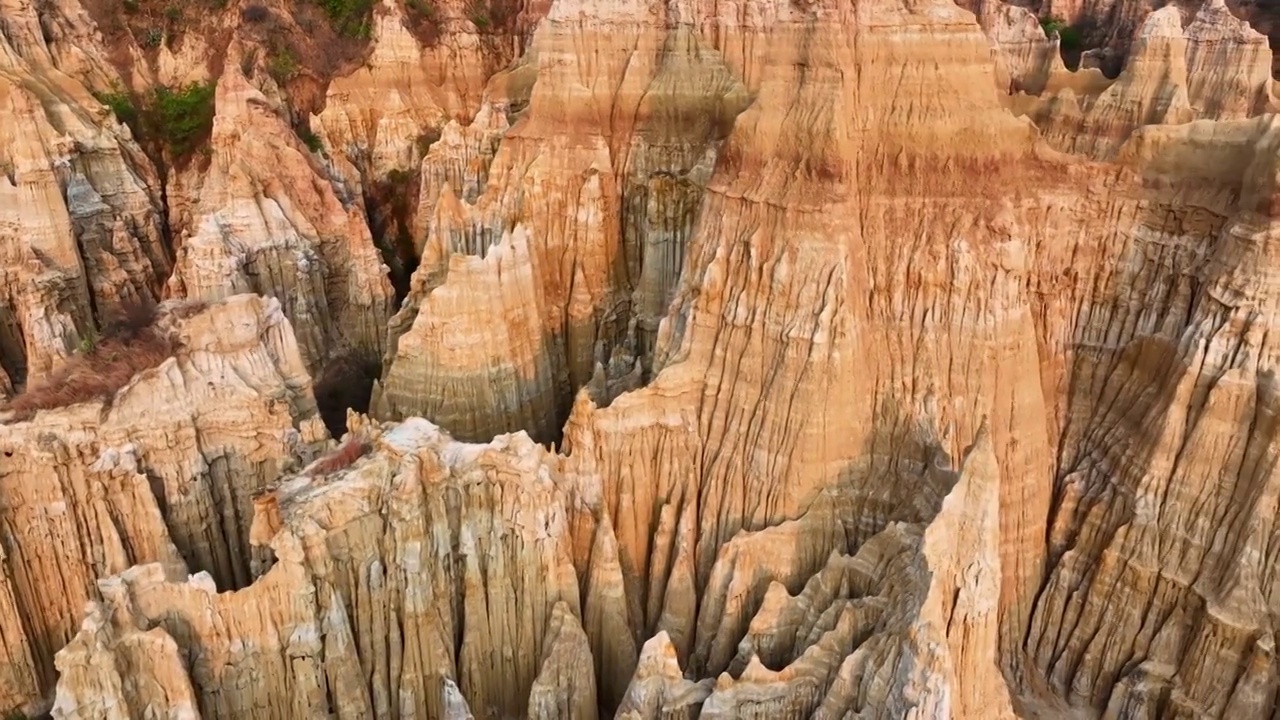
(80,214)
(1025,56)
(381,115)
(422,561)
(162,472)
(1181,623)
(382,612)
(608,209)
(761,270)
(272,219)
(1218,68)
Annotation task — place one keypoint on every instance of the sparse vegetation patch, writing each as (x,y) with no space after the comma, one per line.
(349,17)
(1069,36)
(283,63)
(183,116)
(121,105)
(129,344)
(342,458)
(310,139)
(423,20)
(153,37)
(179,119)
(423,8)
(479,15)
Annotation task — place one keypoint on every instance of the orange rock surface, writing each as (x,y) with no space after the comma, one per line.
(735,358)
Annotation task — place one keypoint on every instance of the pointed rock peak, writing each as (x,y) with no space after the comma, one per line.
(604,532)
(518,235)
(775,594)
(391,9)
(1163,23)
(562,611)
(979,470)
(981,439)
(451,211)
(455,705)
(1215,21)
(583,405)
(658,657)
(577,429)
(755,672)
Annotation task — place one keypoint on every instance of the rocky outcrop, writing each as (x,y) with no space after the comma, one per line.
(271,219)
(486,605)
(1218,68)
(383,116)
(608,208)
(80,211)
(488,601)
(426,71)
(1025,55)
(116,671)
(489,313)
(1166,615)
(162,472)
(777,263)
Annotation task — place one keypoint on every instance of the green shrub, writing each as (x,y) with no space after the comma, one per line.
(310,139)
(349,17)
(423,8)
(283,64)
(130,6)
(173,13)
(178,118)
(121,105)
(182,117)
(1051,25)
(153,37)
(478,14)
(1069,36)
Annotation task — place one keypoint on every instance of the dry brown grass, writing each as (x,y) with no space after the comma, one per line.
(344,457)
(130,344)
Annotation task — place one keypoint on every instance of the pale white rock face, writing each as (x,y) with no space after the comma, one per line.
(125,673)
